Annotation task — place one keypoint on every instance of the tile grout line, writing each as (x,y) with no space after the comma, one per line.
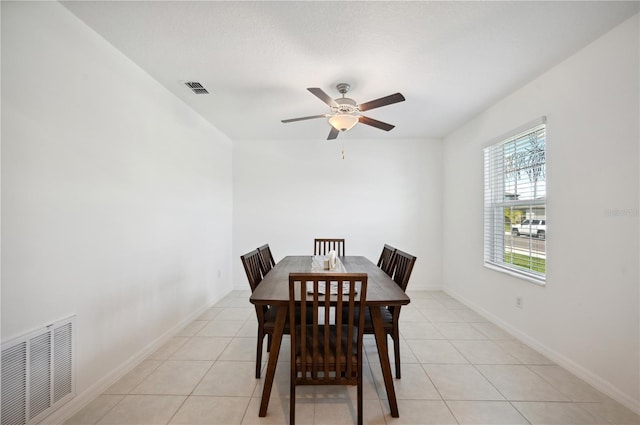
(203,375)
(571,401)
(488,380)
(402,340)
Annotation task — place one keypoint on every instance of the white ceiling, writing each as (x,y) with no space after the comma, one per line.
(451,60)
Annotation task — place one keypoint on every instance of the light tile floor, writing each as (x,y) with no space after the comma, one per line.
(457,368)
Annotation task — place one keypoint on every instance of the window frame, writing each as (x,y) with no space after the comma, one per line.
(494,207)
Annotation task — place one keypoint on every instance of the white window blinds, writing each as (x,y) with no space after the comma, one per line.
(515,203)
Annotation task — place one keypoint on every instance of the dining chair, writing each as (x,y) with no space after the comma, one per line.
(326,350)
(322,246)
(265,314)
(386,259)
(402,267)
(266,258)
(401,273)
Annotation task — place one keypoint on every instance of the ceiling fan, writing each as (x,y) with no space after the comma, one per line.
(345,112)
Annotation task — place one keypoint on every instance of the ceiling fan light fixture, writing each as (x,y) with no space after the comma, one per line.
(343,122)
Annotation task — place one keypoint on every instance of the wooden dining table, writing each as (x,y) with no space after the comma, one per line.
(382,291)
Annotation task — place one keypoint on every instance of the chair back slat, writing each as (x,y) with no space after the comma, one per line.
(266,259)
(326,336)
(251,263)
(322,246)
(403,266)
(386,259)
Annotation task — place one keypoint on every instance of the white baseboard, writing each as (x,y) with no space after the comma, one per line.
(65,412)
(589,377)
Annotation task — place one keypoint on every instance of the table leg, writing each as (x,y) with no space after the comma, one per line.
(274,351)
(383,354)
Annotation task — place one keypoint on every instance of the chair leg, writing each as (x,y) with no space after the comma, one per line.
(396,350)
(269,343)
(292,403)
(360,407)
(259,353)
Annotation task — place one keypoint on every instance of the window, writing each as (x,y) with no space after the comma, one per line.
(515,192)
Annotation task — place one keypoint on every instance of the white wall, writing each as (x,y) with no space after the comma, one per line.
(383,191)
(117,202)
(587,315)
(116,197)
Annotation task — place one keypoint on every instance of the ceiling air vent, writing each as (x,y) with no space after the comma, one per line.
(196,87)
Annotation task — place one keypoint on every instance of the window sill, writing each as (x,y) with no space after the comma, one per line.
(540,281)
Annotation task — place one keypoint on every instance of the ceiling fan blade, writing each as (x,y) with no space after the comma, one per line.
(375,123)
(333,133)
(320,94)
(383,101)
(304,118)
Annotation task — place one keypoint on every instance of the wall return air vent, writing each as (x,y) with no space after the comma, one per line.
(196,87)
(37,373)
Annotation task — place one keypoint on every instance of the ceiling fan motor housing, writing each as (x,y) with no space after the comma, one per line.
(345,106)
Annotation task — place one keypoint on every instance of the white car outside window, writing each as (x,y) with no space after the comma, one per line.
(531,227)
